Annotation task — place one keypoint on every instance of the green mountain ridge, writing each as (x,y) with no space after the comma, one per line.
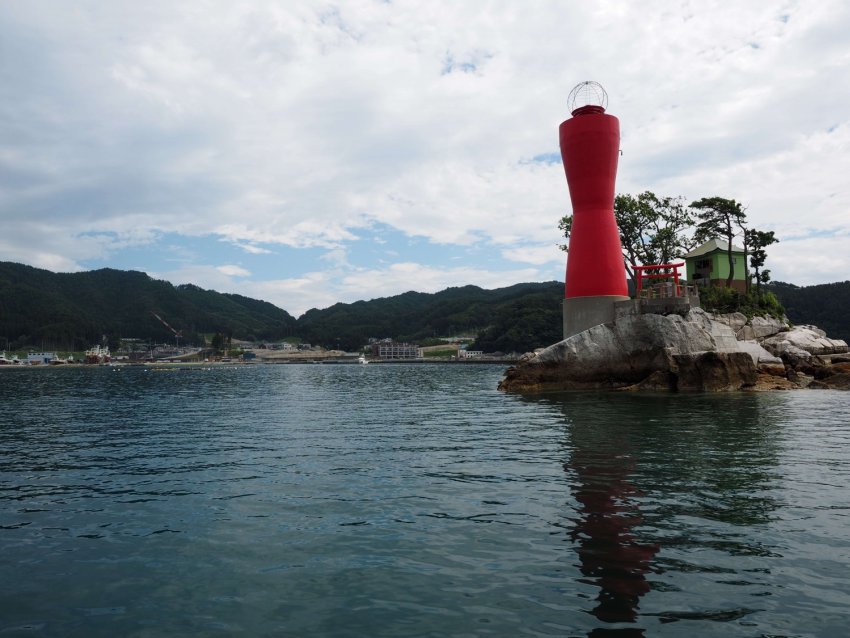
(68,311)
(826,306)
(72,311)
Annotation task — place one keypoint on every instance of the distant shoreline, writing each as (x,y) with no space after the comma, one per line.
(218,364)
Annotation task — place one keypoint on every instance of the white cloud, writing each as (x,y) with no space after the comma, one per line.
(302,125)
(251,248)
(233,271)
(405,276)
(202,275)
(536,255)
(322,289)
(813,260)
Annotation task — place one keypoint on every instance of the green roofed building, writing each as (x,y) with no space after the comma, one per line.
(708,265)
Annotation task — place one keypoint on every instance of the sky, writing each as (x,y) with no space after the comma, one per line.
(308,153)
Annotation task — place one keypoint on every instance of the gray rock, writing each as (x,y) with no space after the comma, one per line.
(814,329)
(713,371)
(804,380)
(808,338)
(837,382)
(724,337)
(758,353)
(644,351)
(734,320)
(795,357)
(746,334)
(763,327)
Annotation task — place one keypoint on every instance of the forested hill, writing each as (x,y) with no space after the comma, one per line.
(75,310)
(517,318)
(826,305)
(66,311)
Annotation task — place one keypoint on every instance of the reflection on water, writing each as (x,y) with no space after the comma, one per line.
(610,555)
(414,501)
(653,478)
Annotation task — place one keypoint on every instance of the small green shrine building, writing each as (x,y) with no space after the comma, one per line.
(708,265)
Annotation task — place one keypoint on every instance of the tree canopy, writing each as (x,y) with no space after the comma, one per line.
(653,229)
(660,229)
(73,311)
(759,240)
(720,217)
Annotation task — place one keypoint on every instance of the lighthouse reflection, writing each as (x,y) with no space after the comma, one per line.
(611,557)
(661,487)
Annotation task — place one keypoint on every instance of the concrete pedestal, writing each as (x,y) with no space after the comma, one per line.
(581,313)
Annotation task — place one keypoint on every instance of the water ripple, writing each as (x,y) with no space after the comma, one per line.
(414,500)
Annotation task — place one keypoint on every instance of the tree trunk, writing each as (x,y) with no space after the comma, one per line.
(731,266)
(630,272)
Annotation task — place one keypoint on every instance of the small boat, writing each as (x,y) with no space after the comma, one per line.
(97,355)
(7,362)
(363,359)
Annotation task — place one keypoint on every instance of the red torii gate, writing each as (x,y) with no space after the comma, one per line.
(646,272)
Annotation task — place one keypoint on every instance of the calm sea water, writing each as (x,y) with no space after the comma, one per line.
(414,500)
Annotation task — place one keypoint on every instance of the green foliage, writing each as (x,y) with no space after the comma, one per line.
(653,229)
(534,321)
(440,354)
(720,299)
(824,305)
(416,317)
(719,217)
(657,230)
(757,241)
(565,225)
(427,343)
(218,342)
(64,312)
(72,311)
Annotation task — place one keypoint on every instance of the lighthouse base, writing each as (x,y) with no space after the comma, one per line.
(581,313)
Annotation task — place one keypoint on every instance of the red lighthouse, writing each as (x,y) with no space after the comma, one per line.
(590,148)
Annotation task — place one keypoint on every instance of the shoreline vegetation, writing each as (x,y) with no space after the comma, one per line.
(41,310)
(348,360)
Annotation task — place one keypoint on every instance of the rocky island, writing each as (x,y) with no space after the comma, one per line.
(689,351)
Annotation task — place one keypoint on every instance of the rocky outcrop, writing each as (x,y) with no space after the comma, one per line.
(697,352)
(644,352)
(809,339)
(762,327)
(760,355)
(790,357)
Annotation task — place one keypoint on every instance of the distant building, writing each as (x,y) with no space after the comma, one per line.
(469,354)
(708,265)
(393,350)
(34,358)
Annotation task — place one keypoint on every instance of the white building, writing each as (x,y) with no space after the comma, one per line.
(392,350)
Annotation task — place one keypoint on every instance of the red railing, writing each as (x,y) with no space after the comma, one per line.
(659,271)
